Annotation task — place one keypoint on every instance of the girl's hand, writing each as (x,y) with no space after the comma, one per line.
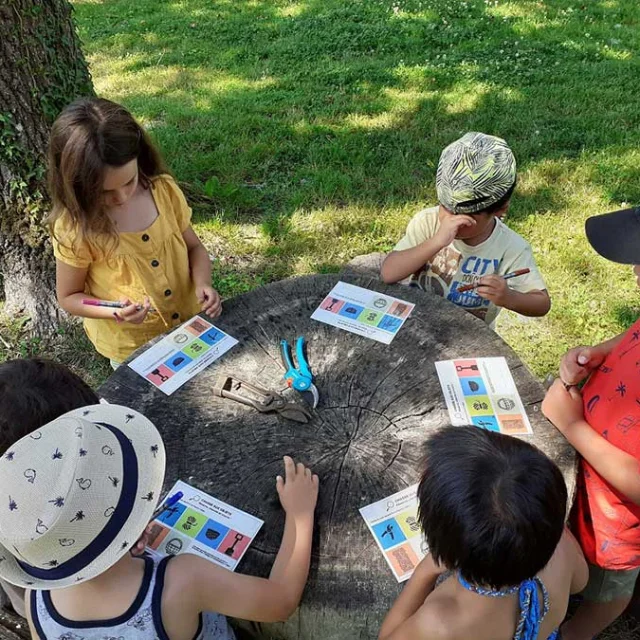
(298,490)
(563,407)
(209,298)
(132,312)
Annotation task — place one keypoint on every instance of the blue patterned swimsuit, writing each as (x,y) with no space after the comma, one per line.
(530,615)
(142,621)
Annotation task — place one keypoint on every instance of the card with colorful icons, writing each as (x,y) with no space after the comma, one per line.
(393,522)
(182,354)
(481,391)
(205,526)
(367,313)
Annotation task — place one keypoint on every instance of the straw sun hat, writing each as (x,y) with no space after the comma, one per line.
(76,494)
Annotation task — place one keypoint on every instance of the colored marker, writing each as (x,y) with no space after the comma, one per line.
(167,504)
(110,303)
(513,274)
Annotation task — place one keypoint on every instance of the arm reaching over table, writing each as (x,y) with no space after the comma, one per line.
(198,585)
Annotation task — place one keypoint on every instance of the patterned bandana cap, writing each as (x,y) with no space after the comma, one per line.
(76,494)
(474,172)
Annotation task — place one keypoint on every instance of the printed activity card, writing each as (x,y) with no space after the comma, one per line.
(367,313)
(204,526)
(182,354)
(481,391)
(394,524)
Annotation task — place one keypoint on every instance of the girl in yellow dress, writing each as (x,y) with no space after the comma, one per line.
(121,231)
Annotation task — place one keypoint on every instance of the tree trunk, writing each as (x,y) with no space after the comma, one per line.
(42,69)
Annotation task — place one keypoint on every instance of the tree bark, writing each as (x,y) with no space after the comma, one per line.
(42,69)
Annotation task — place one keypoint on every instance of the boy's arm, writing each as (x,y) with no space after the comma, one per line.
(532,303)
(401,621)
(400,264)
(200,585)
(564,408)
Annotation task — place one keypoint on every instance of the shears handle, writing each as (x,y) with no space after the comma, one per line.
(298,378)
(301,355)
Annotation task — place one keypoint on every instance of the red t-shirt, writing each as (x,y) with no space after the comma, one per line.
(607,523)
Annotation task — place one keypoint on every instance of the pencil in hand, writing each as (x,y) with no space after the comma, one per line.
(475,285)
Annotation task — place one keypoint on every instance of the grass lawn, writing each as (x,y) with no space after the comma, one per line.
(307,132)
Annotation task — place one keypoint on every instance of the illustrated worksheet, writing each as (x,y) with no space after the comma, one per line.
(182,354)
(204,526)
(367,313)
(481,391)
(394,524)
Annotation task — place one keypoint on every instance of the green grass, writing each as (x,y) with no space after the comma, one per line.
(307,132)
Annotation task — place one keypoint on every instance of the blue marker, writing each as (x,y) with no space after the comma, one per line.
(167,504)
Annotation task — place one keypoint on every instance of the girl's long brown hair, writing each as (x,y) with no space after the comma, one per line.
(89,135)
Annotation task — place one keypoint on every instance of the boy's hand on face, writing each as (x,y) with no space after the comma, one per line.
(495,289)
(450,226)
(579,362)
(563,406)
(298,490)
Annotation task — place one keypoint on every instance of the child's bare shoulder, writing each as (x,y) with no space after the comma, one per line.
(438,619)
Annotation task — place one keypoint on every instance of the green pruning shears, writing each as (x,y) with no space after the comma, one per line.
(299,378)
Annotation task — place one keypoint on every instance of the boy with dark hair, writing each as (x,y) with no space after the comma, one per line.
(32,393)
(463,241)
(602,422)
(492,510)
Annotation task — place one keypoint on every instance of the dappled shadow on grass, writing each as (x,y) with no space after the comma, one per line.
(303,105)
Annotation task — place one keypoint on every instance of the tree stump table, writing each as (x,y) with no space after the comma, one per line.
(378,403)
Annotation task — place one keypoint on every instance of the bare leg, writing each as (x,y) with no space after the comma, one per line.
(593,617)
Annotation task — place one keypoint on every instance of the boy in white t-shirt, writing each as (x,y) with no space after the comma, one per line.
(463,241)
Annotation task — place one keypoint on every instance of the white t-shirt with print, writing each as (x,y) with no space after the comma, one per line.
(458,264)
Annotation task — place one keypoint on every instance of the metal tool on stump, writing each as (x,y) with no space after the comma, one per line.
(263,400)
